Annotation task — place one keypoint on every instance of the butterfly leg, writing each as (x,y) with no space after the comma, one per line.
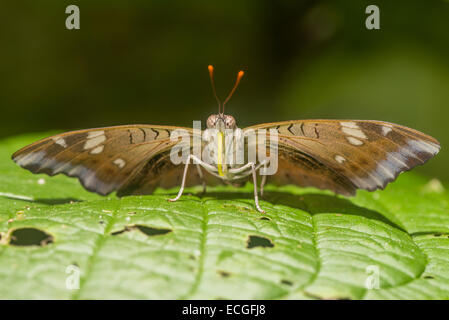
(256,197)
(183,180)
(203,182)
(262,184)
(264,180)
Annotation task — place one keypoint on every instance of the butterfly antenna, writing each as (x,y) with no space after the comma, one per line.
(239,76)
(211,75)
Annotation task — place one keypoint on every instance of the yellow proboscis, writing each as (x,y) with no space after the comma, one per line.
(220,138)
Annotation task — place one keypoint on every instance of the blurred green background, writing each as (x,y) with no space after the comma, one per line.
(146,62)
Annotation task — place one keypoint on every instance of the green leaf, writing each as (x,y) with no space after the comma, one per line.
(309,245)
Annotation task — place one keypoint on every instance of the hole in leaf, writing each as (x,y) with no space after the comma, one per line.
(149,231)
(286,282)
(30,237)
(126,229)
(257,241)
(265,218)
(224,274)
(429,277)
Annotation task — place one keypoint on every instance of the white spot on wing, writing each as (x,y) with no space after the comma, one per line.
(354,141)
(349,124)
(97,150)
(339,159)
(119,162)
(354,132)
(60,141)
(386,129)
(95,141)
(41,181)
(94,134)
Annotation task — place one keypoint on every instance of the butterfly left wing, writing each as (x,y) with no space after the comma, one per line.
(346,155)
(109,159)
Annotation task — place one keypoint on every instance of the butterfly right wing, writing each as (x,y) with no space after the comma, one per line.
(346,155)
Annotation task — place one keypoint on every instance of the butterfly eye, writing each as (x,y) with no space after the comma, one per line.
(211,121)
(230,122)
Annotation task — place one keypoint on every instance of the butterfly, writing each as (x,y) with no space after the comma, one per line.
(339,155)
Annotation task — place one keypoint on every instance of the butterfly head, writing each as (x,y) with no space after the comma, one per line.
(222,121)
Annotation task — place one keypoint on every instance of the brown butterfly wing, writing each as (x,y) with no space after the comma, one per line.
(109,159)
(345,155)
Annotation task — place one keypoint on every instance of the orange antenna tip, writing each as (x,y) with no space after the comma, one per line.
(211,75)
(239,76)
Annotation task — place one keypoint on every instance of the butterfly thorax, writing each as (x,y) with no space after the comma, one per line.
(222,123)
